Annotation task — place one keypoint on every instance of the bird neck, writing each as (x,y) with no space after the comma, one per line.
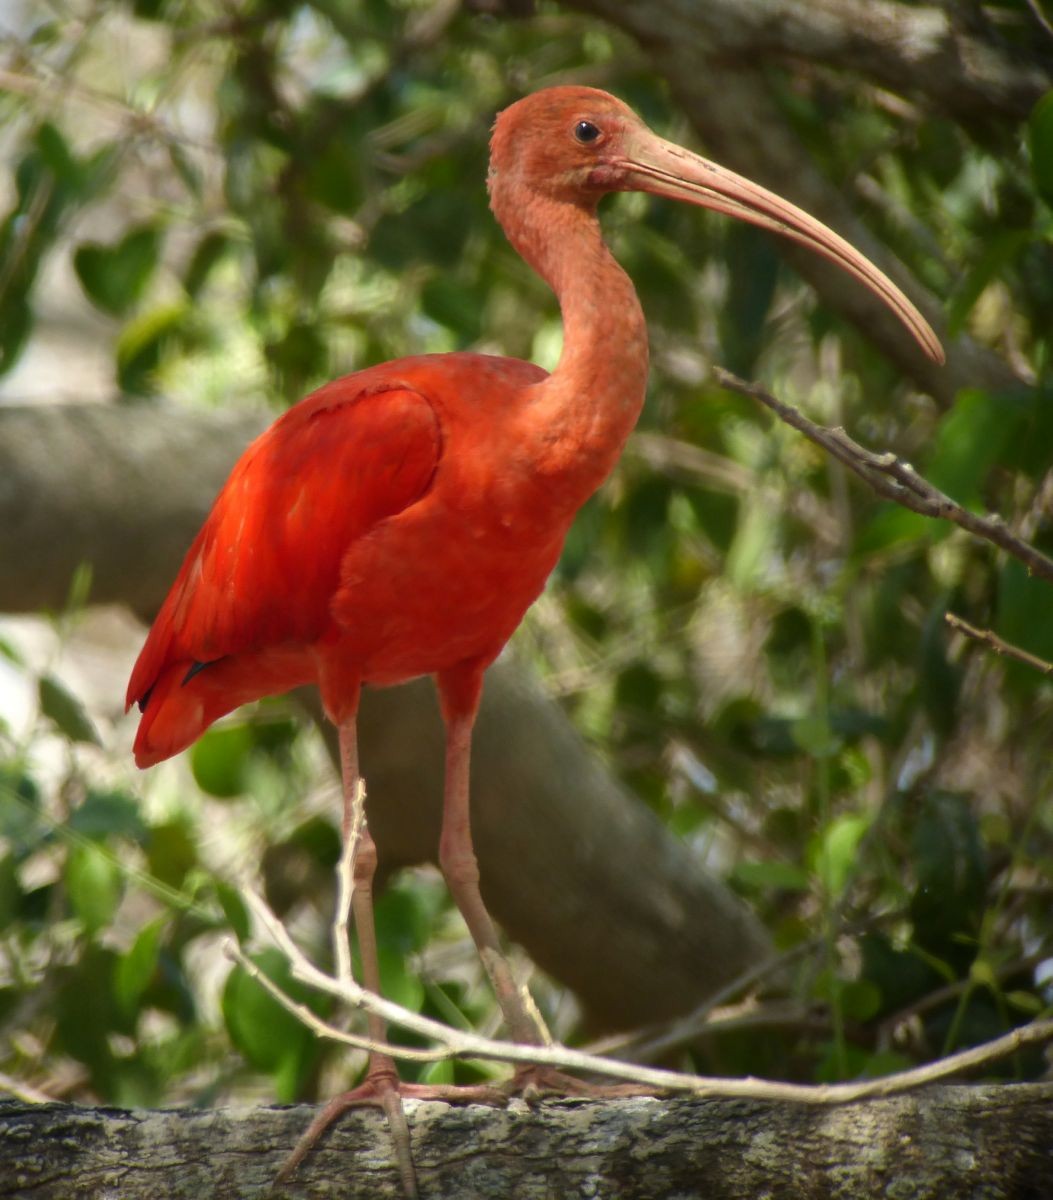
(591,401)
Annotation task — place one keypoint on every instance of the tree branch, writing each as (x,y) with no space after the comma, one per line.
(895,479)
(948,1143)
(450,1043)
(964,70)
(992,641)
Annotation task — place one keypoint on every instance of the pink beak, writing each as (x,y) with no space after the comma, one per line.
(651,164)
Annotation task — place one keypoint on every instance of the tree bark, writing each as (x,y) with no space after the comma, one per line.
(574,867)
(947,54)
(943,1143)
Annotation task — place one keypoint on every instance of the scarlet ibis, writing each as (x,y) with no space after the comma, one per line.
(401,520)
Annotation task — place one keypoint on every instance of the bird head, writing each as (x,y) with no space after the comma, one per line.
(572,145)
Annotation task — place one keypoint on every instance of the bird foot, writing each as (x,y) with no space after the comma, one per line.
(534,1083)
(387,1091)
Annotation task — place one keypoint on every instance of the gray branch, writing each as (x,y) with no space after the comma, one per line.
(943,1143)
(894,479)
(939,52)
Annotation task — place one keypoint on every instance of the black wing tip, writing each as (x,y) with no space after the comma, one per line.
(195,668)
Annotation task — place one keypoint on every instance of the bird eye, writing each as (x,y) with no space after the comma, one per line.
(586,132)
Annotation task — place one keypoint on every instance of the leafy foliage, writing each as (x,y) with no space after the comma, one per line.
(263,199)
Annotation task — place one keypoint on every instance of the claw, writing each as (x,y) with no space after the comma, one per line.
(384,1091)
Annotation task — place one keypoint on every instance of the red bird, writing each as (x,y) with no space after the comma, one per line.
(400,521)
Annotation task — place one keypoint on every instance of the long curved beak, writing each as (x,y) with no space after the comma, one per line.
(651,164)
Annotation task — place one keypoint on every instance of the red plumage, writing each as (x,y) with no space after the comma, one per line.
(400,521)
(318,561)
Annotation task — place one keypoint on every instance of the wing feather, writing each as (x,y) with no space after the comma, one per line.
(319,478)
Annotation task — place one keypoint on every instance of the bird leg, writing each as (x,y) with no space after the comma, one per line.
(460,691)
(381,1087)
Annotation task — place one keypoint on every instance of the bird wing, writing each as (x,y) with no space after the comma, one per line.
(265,565)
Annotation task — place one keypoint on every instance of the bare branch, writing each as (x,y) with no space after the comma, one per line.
(997,644)
(1040,16)
(953,1142)
(455,1043)
(961,68)
(895,479)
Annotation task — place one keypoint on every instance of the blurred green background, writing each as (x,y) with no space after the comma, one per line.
(224,205)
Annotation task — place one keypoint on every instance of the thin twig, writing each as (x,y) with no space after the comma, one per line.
(655,1041)
(1040,16)
(993,642)
(455,1044)
(345,877)
(24,1091)
(895,479)
(952,991)
(320,1028)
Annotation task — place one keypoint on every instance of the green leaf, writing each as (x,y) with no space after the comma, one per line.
(860,999)
(106,814)
(86,1011)
(136,968)
(639,687)
(401,983)
(838,1063)
(759,875)
(94,885)
(65,711)
(270,1037)
(753,261)
(950,867)
(10,892)
(901,976)
(56,154)
(144,340)
(970,440)
(754,544)
(171,851)
(1023,620)
(939,680)
(402,919)
(992,263)
(815,736)
(437,1073)
(14,331)
(186,169)
(1026,1002)
(455,305)
(219,760)
(895,528)
(234,910)
(116,276)
(208,253)
(79,588)
(11,652)
(885,1062)
(1040,138)
(21,824)
(836,857)
(334,175)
